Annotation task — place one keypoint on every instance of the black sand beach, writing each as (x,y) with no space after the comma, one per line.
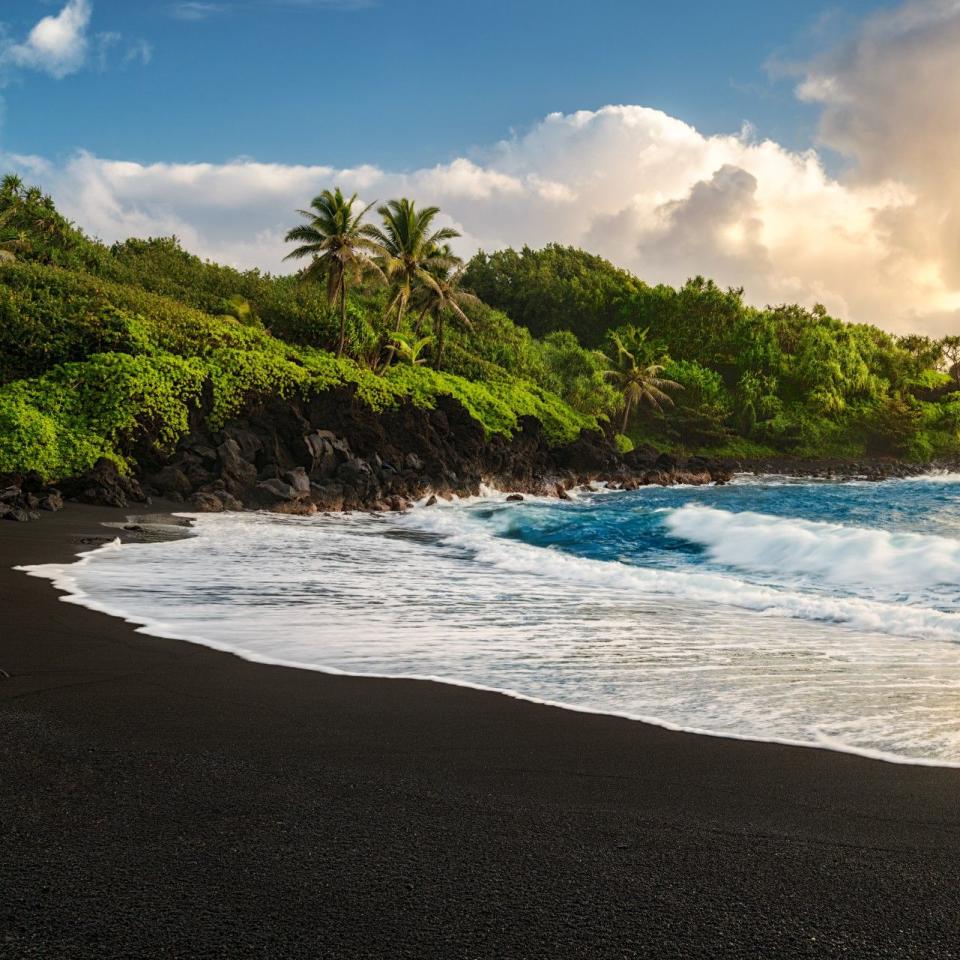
(160,799)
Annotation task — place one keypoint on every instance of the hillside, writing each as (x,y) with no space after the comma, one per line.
(136,353)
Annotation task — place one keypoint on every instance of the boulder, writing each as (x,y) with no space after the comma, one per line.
(322,440)
(279,490)
(21,515)
(323,454)
(171,480)
(236,471)
(327,496)
(512,498)
(103,484)
(206,503)
(298,479)
(229,501)
(561,492)
(248,443)
(52,501)
(298,508)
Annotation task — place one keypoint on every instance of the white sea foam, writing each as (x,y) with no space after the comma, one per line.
(441,594)
(838,554)
(513,557)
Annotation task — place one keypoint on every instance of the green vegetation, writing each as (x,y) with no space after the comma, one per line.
(755,382)
(108,351)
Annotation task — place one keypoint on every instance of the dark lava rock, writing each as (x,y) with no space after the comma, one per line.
(206,503)
(171,480)
(432,502)
(561,492)
(229,501)
(278,490)
(21,515)
(236,471)
(52,502)
(513,498)
(248,443)
(104,485)
(298,479)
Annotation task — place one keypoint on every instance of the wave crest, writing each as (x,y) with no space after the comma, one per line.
(835,553)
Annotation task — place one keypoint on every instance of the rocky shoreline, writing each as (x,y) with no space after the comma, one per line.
(332,453)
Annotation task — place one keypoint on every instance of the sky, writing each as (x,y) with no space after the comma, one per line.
(806,152)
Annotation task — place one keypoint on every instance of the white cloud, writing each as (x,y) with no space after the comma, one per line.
(139,52)
(190,10)
(631,183)
(57,44)
(881,243)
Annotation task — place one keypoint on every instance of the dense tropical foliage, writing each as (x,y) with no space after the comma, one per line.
(105,348)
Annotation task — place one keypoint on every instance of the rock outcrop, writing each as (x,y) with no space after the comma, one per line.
(332,453)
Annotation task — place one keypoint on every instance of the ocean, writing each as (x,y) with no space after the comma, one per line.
(811,612)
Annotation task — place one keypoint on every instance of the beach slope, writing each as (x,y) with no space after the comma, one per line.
(161,799)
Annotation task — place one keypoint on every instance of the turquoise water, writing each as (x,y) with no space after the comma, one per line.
(809,612)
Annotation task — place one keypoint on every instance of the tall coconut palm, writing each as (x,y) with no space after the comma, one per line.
(443,299)
(639,382)
(411,252)
(336,241)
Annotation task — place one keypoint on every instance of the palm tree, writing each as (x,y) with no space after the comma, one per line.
(411,252)
(11,186)
(409,350)
(640,383)
(11,239)
(335,239)
(443,298)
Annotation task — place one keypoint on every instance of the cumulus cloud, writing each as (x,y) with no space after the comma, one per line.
(879,243)
(57,44)
(629,182)
(891,104)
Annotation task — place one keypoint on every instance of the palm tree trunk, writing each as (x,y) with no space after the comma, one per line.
(343,318)
(419,323)
(392,349)
(626,416)
(439,358)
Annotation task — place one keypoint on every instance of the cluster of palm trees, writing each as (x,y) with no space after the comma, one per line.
(26,212)
(405,251)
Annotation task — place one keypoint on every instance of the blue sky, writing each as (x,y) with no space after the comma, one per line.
(404,82)
(804,151)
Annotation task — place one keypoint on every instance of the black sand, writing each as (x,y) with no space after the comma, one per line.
(159,799)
